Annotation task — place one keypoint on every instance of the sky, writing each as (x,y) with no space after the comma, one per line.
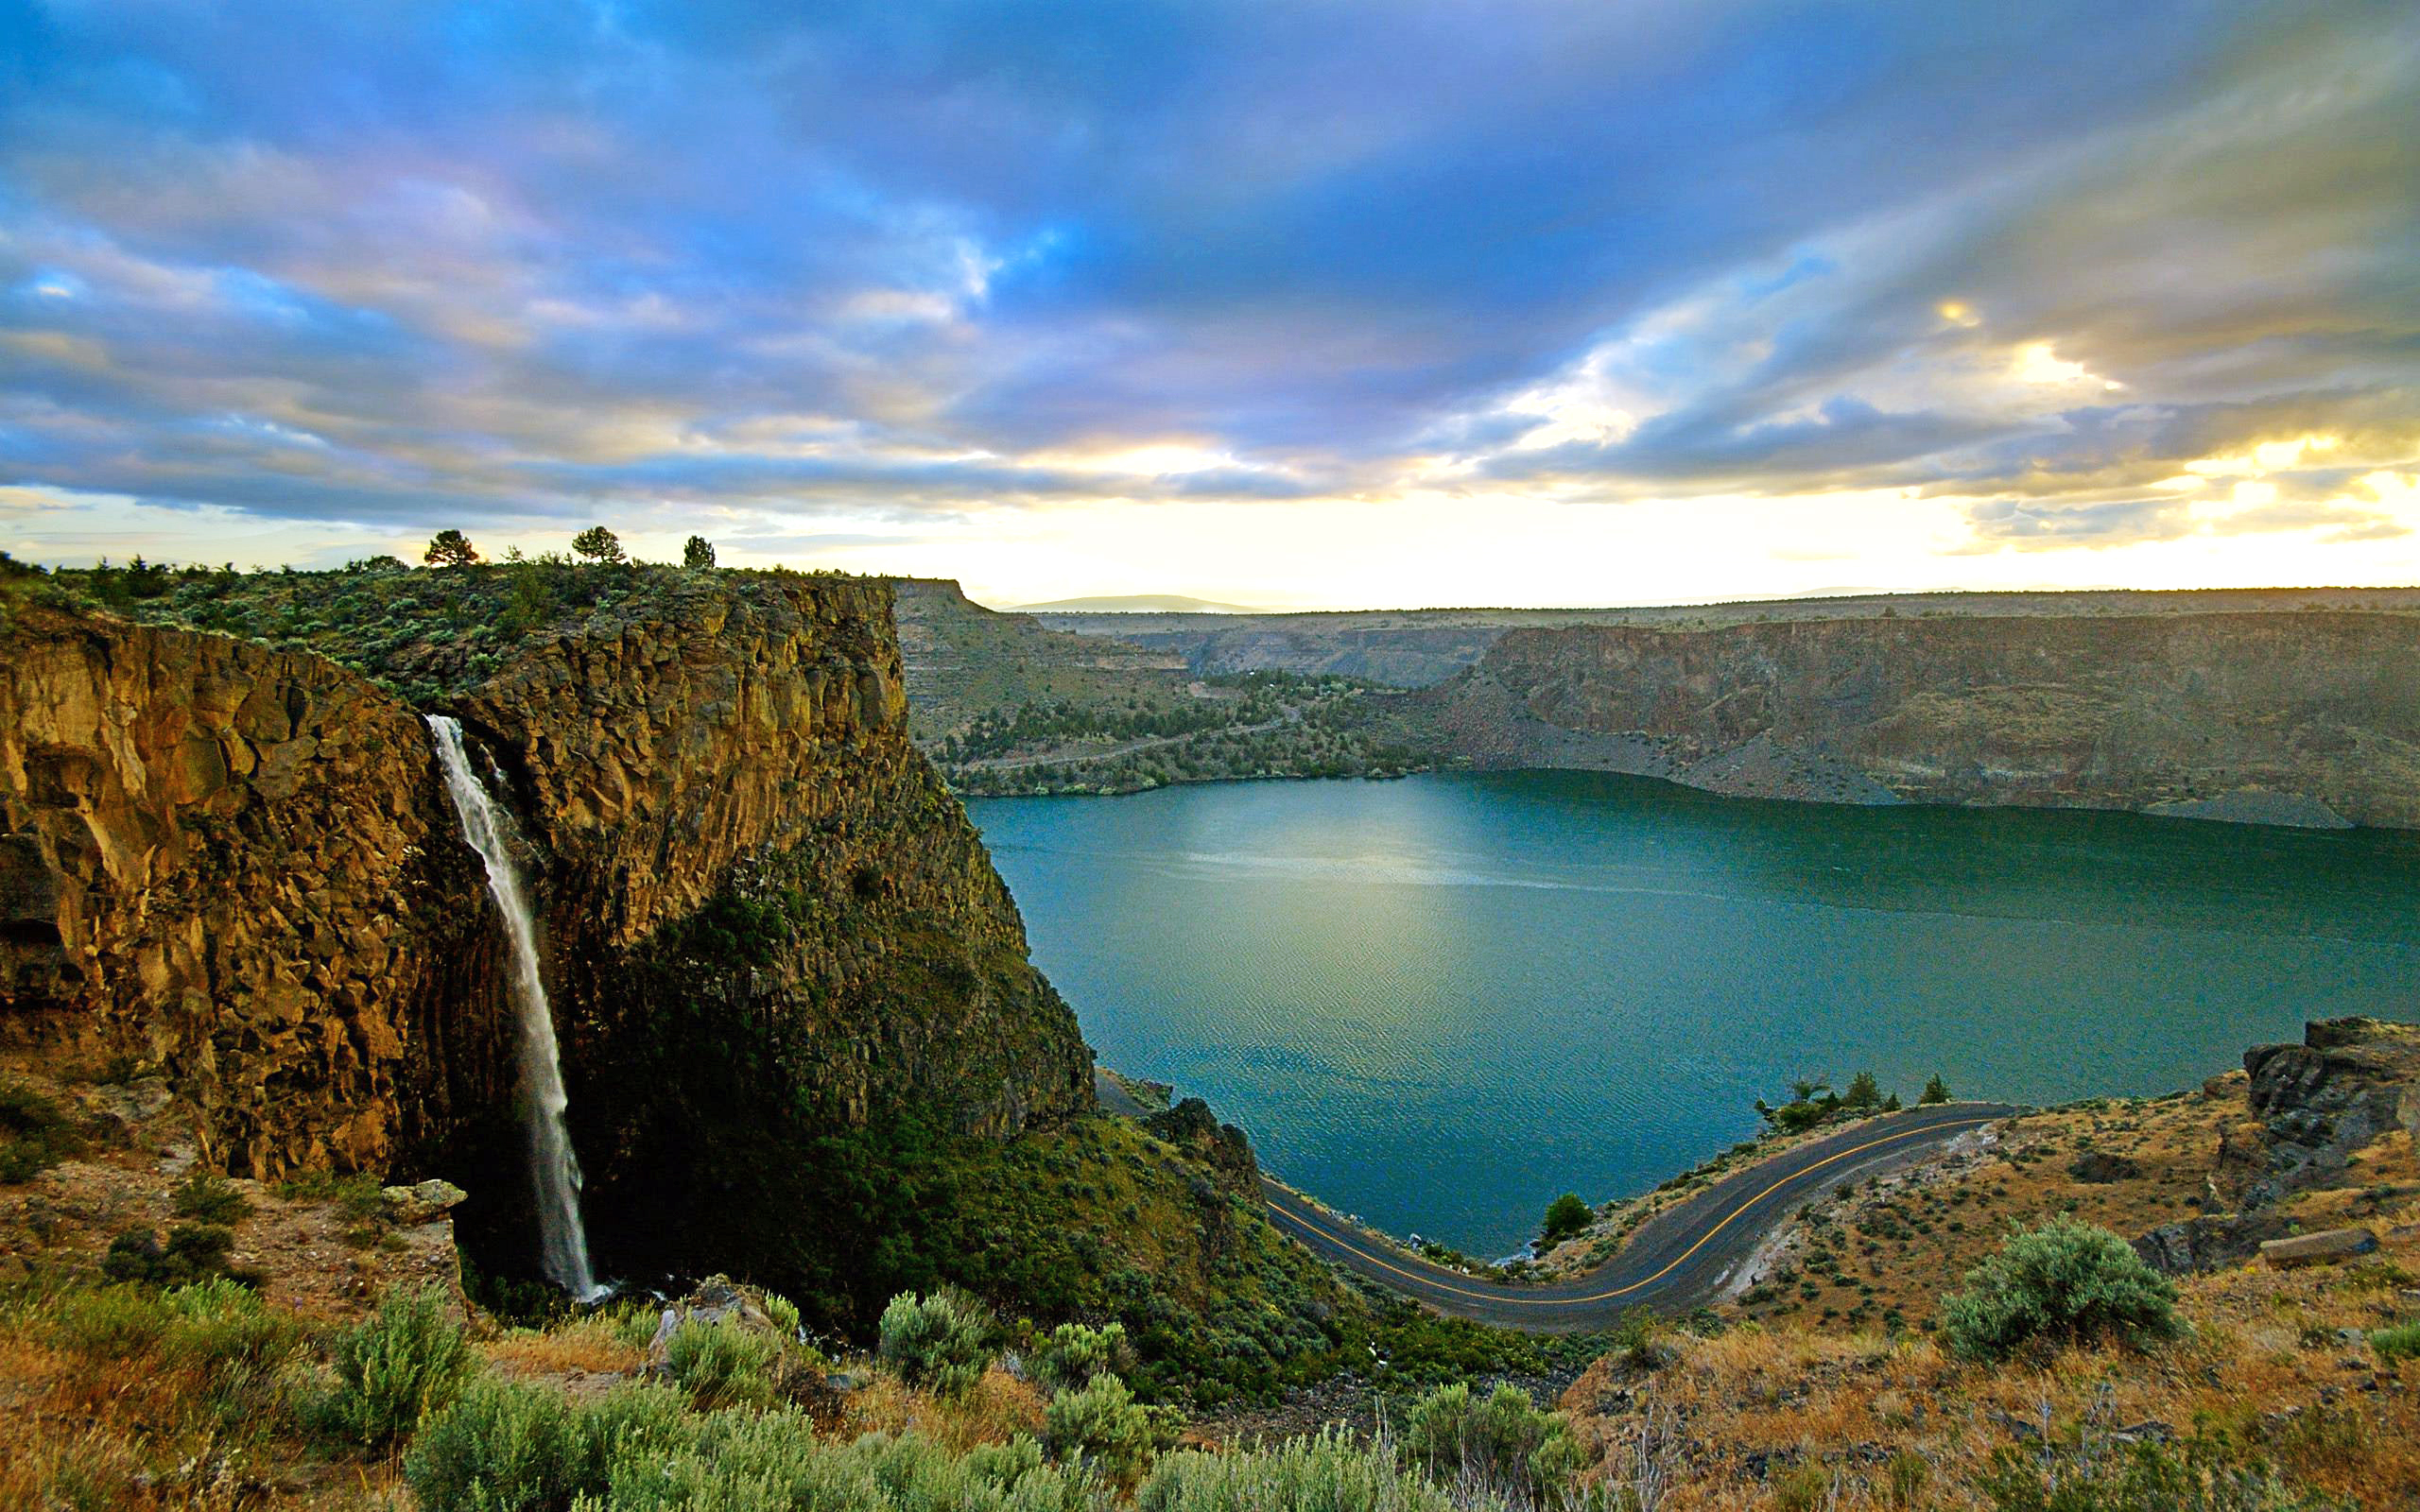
(1284,302)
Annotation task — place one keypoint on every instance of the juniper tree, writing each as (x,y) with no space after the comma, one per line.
(450,548)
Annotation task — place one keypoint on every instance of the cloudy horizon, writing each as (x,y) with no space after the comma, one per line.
(1319,306)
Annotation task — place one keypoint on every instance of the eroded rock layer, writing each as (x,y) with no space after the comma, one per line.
(2131,712)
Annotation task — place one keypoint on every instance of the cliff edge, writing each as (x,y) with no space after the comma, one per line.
(2307,716)
(234,866)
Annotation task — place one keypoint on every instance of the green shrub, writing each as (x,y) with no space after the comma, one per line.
(1936,1090)
(1329,1473)
(724,1363)
(1636,1340)
(396,1367)
(2064,1280)
(1077,1354)
(110,1322)
(241,1346)
(1807,1488)
(356,1195)
(210,1199)
(1904,1475)
(784,1315)
(2204,1474)
(1566,1216)
(505,1448)
(1101,1425)
(1503,1443)
(773,1462)
(940,1341)
(194,1252)
(2401,1342)
(34,1134)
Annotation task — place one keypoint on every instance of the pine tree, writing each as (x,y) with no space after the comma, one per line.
(450,548)
(599,546)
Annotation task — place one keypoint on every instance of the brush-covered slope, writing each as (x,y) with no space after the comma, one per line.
(2277,714)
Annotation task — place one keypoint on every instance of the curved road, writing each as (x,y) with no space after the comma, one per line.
(1678,1259)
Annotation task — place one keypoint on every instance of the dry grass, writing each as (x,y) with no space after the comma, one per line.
(103,1407)
(2267,1368)
(996,1409)
(1884,1253)
(594,1345)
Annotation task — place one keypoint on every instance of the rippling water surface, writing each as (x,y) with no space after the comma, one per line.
(1442,1000)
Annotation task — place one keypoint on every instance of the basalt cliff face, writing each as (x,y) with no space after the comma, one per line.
(2299,717)
(238,866)
(230,862)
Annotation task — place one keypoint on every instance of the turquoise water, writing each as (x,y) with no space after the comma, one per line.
(1440,1001)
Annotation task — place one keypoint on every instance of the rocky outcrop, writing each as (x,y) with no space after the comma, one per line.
(767,920)
(1189,1125)
(2302,715)
(763,920)
(2315,1105)
(2210,1243)
(2348,1083)
(230,863)
(963,660)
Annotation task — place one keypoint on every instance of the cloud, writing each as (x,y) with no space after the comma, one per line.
(344,264)
(2026,526)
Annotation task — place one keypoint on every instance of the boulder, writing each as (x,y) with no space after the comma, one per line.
(2323,1248)
(2207,1243)
(2101,1167)
(410,1207)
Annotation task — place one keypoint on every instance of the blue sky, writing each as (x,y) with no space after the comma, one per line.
(1285,304)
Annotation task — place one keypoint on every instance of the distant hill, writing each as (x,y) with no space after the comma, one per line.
(1139,604)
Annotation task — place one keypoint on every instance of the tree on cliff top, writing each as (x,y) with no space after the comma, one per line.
(1936,1090)
(599,546)
(697,553)
(450,548)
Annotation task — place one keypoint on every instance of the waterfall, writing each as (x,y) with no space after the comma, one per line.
(552,1166)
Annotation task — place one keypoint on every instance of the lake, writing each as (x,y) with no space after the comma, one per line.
(1440,1001)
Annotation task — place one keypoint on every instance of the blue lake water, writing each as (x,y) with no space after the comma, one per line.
(1440,1001)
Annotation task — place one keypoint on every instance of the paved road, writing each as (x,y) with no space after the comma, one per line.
(1677,1261)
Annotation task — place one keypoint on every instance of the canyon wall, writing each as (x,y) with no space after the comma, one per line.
(1418,648)
(232,863)
(2298,717)
(236,866)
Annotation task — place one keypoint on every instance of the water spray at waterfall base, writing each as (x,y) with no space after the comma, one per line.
(553,1167)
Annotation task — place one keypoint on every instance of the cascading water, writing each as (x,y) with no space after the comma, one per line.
(552,1165)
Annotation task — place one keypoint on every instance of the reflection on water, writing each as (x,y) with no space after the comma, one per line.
(1442,1000)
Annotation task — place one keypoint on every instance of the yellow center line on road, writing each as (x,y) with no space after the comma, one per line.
(1508,1296)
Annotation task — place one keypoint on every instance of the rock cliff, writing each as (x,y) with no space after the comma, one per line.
(2312,1109)
(230,863)
(236,865)
(2320,707)
(2349,1083)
